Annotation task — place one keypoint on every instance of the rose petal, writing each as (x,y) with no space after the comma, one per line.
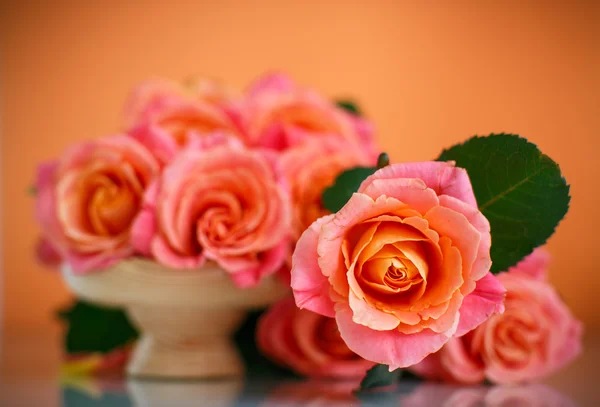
(462,233)
(165,255)
(483,261)
(395,349)
(143,231)
(485,300)
(460,364)
(85,263)
(310,286)
(270,262)
(443,177)
(161,144)
(148,98)
(274,82)
(366,315)
(410,191)
(534,265)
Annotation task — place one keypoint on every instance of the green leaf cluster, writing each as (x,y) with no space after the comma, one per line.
(96,329)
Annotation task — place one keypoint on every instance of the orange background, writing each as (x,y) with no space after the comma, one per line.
(428,75)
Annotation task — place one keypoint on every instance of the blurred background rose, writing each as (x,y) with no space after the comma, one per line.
(307,343)
(534,337)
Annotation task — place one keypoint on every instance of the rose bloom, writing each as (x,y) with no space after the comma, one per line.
(536,335)
(279,114)
(165,116)
(218,201)
(312,167)
(307,343)
(403,266)
(87,200)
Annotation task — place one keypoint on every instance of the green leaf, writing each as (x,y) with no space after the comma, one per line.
(92,328)
(349,106)
(520,190)
(379,376)
(347,183)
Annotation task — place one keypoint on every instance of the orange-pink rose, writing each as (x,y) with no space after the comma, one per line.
(277,113)
(536,335)
(312,167)
(86,201)
(403,266)
(218,201)
(307,343)
(165,116)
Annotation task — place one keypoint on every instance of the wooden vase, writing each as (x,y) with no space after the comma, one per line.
(186,317)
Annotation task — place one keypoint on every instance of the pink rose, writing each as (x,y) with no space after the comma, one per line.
(536,335)
(87,201)
(403,266)
(312,167)
(165,116)
(534,266)
(279,114)
(218,201)
(308,343)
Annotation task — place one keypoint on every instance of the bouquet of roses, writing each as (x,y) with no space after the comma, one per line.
(431,266)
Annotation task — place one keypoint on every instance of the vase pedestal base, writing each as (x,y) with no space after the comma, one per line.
(185,344)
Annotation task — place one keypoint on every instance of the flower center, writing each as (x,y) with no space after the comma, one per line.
(111,204)
(396,271)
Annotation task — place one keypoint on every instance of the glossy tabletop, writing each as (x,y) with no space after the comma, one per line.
(29,377)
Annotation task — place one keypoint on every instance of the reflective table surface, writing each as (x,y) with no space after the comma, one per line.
(28,377)
(304,393)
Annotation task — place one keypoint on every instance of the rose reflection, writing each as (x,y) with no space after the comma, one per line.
(413,394)
(314,393)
